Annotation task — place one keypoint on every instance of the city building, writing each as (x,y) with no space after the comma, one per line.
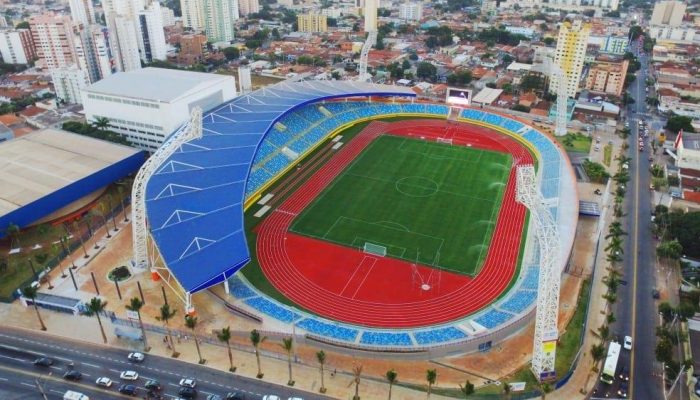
(521,30)
(151,34)
(93,52)
(219,19)
(82,12)
(688,150)
(411,11)
(168,16)
(17,46)
(124,43)
(607,77)
(54,40)
(570,53)
(244,80)
(610,44)
(247,7)
(674,34)
(370,14)
(147,105)
(68,82)
(193,49)
(668,13)
(312,23)
(192,14)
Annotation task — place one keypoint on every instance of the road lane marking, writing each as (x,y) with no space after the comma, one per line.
(27,384)
(12,358)
(90,365)
(635,249)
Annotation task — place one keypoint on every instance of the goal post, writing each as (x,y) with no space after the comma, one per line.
(375,249)
(444,140)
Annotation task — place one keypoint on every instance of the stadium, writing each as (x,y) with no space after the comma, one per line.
(356,215)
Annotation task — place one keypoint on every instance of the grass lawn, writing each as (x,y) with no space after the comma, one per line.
(414,198)
(607,154)
(575,142)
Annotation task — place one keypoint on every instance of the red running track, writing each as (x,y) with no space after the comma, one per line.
(345,284)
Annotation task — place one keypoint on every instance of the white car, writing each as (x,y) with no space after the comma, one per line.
(628,343)
(136,357)
(188,382)
(129,375)
(271,397)
(104,382)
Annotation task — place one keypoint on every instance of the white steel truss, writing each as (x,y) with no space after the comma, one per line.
(562,101)
(364,56)
(547,234)
(189,131)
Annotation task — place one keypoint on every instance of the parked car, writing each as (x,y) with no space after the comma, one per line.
(72,375)
(129,375)
(628,343)
(622,389)
(136,357)
(103,381)
(43,362)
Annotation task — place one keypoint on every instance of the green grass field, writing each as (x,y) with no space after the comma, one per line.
(424,201)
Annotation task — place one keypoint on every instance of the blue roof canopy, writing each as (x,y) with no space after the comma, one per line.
(194,202)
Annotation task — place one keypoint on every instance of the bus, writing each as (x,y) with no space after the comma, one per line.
(610,367)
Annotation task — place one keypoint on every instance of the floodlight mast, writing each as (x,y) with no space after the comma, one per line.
(549,280)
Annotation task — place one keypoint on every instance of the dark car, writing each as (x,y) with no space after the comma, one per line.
(214,397)
(72,375)
(187,392)
(127,389)
(235,396)
(623,375)
(622,390)
(43,362)
(153,385)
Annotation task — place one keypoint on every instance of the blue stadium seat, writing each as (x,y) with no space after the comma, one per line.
(439,335)
(493,318)
(330,330)
(276,164)
(530,280)
(275,311)
(240,290)
(519,301)
(385,338)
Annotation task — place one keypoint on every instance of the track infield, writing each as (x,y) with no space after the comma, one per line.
(414,198)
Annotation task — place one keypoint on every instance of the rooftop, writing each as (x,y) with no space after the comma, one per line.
(45,161)
(157,84)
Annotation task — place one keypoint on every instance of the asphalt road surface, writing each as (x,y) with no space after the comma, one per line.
(19,377)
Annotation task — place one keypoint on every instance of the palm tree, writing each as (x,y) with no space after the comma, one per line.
(615,245)
(135,305)
(615,230)
(165,315)
(391,376)
(357,374)
(94,307)
(467,389)
(225,336)
(288,346)
(431,377)
(604,332)
(98,212)
(120,190)
(109,210)
(76,227)
(256,339)
(506,390)
(30,292)
(597,353)
(546,388)
(101,123)
(321,357)
(191,322)
(13,232)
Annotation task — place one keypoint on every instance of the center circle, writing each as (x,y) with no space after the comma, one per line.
(417,186)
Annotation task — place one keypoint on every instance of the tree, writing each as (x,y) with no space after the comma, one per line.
(531,82)
(426,70)
(225,337)
(166,314)
(135,305)
(321,358)
(256,339)
(546,388)
(357,375)
(506,390)
(666,311)
(664,350)
(22,25)
(676,123)
(460,78)
(231,53)
(521,108)
(13,231)
(685,227)
(598,352)
(467,389)
(604,332)
(101,123)
(431,377)
(549,40)
(191,322)
(288,346)
(30,293)
(94,307)
(670,250)
(391,376)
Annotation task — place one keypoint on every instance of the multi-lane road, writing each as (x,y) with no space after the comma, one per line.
(20,378)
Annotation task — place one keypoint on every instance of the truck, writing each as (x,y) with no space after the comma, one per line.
(73,395)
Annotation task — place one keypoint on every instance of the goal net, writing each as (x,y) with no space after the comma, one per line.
(454,113)
(444,140)
(375,249)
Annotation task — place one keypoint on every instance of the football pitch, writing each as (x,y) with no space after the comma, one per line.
(425,202)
